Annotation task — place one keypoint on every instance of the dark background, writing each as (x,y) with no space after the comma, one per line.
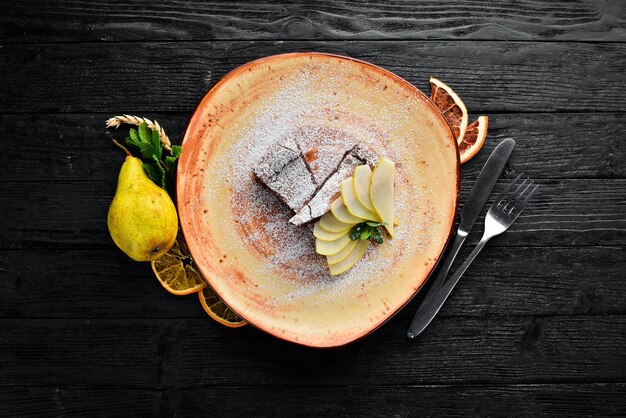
(536,327)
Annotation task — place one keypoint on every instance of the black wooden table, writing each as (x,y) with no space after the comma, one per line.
(536,327)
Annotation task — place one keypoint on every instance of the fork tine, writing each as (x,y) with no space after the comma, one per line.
(514,195)
(518,198)
(521,204)
(502,195)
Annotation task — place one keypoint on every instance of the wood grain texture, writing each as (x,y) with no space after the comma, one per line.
(409,401)
(563,213)
(553,400)
(77,401)
(581,20)
(537,327)
(72,147)
(188,353)
(135,77)
(107,284)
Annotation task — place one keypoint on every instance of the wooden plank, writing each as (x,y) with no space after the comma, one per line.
(502,281)
(554,400)
(407,401)
(581,20)
(131,77)
(562,212)
(85,284)
(538,281)
(185,353)
(79,401)
(73,214)
(72,147)
(41,148)
(562,145)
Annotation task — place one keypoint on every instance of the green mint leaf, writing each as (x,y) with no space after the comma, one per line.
(169,163)
(361,231)
(146,149)
(161,170)
(130,142)
(355,232)
(148,142)
(153,172)
(377,236)
(134,136)
(145,133)
(376,224)
(156,172)
(156,144)
(177,150)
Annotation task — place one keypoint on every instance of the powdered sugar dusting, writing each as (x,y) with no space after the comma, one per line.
(324,130)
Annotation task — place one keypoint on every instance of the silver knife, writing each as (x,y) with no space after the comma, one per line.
(471,209)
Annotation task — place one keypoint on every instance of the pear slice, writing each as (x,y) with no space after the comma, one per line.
(324,235)
(350,260)
(332,247)
(331,224)
(362,179)
(341,255)
(352,204)
(340,212)
(381,191)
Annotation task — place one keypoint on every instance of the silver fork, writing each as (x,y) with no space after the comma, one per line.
(500,217)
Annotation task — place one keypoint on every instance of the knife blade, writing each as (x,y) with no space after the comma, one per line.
(469,213)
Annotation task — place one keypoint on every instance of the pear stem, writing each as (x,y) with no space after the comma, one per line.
(117,144)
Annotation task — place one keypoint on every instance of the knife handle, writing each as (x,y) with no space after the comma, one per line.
(459,239)
(438,299)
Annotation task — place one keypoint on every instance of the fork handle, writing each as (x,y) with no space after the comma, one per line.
(449,285)
(431,305)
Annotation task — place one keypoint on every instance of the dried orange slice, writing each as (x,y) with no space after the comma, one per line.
(213,305)
(469,138)
(473,139)
(176,271)
(451,105)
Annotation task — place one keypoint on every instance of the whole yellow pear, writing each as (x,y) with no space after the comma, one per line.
(142,219)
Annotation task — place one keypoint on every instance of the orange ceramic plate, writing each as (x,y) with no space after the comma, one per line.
(267,270)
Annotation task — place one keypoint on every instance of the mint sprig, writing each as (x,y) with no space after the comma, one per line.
(159,170)
(367,230)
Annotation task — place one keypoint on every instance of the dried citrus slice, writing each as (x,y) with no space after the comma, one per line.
(473,139)
(213,305)
(451,105)
(176,271)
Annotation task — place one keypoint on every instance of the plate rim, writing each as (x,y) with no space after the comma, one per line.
(242,68)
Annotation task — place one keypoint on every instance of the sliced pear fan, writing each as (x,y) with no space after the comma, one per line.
(382,193)
(331,247)
(340,212)
(324,235)
(352,204)
(347,263)
(366,196)
(362,180)
(332,224)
